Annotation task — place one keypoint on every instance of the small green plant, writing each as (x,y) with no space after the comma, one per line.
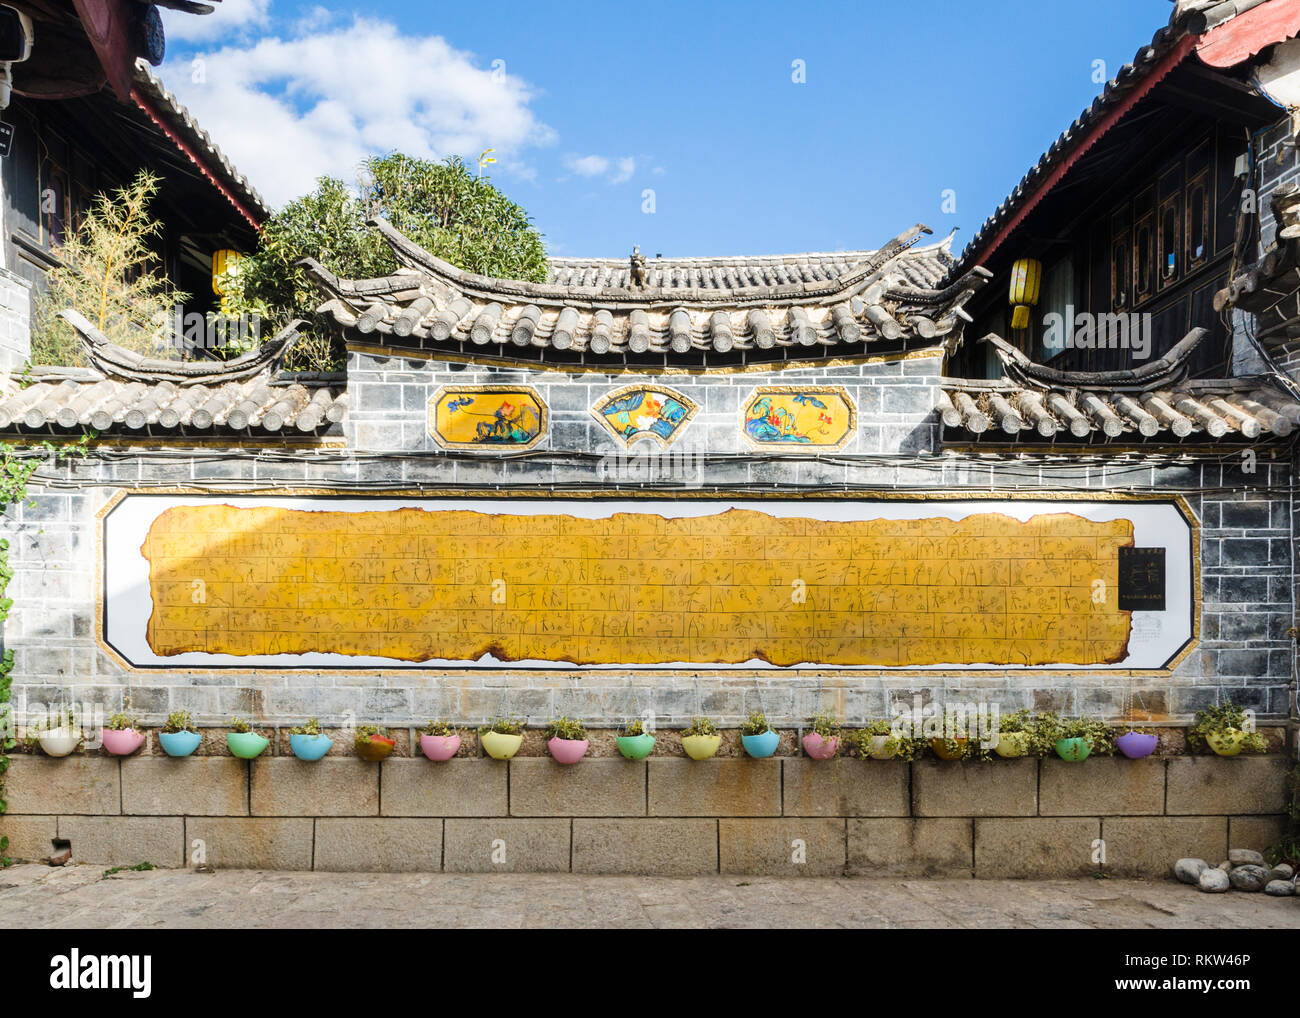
(824,724)
(503,726)
(1016,721)
(1050,728)
(120,722)
(239,726)
(140,867)
(310,727)
(368,733)
(700,726)
(565,728)
(439,728)
(902,747)
(179,721)
(634,727)
(1225,719)
(755,724)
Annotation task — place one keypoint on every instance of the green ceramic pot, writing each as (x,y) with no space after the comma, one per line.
(246,745)
(1073,749)
(636,747)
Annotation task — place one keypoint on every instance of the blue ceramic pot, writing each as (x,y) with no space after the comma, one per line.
(759,746)
(310,747)
(179,743)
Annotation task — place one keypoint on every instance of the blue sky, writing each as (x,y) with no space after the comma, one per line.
(590,105)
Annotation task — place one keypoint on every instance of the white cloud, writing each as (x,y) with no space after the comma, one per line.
(289,110)
(617,170)
(230,18)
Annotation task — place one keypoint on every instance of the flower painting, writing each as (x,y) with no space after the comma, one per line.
(644,411)
(474,417)
(821,417)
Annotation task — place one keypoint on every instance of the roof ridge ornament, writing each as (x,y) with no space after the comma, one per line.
(1164,371)
(637,268)
(118,362)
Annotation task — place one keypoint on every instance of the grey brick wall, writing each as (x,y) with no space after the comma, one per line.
(15,321)
(1248,572)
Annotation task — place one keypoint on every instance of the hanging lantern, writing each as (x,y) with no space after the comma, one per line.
(1026,278)
(225,266)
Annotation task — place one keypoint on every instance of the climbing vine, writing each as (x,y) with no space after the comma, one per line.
(17,465)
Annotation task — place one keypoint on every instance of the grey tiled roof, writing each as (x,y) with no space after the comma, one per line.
(686,309)
(70,401)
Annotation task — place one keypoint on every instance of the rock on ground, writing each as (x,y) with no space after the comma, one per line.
(1279,888)
(1213,881)
(1189,871)
(1248,877)
(1244,857)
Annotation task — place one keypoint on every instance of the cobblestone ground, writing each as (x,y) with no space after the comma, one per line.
(81,896)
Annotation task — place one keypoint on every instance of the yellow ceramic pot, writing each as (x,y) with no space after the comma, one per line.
(500,746)
(1012,744)
(701,747)
(948,749)
(1226,743)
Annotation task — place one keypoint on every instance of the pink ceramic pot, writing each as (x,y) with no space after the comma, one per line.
(123,743)
(439,747)
(568,751)
(818,748)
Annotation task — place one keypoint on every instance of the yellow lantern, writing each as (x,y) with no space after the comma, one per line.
(225,266)
(1026,278)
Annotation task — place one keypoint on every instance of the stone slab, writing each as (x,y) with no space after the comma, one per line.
(540,787)
(195,786)
(125,841)
(506,846)
(844,787)
(1039,848)
(714,788)
(251,843)
(1149,846)
(1226,786)
(31,839)
(1000,788)
(784,847)
(1102,786)
(1256,832)
(454,788)
(653,847)
(900,847)
(375,845)
(289,787)
(70,784)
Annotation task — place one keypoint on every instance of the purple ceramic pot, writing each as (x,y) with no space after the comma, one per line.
(1136,745)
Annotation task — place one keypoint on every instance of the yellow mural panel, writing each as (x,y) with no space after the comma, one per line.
(784,416)
(479,416)
(636,588)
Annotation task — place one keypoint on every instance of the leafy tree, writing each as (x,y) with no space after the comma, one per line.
(442,206)
(108,271)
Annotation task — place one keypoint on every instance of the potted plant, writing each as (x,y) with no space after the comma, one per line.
(757,736)
(567,740)
(502,738)
(701,739)
(121,737)
(179,736)
(439,741)
(1015,732)
(823,742)
(1137,742)
(635,743)
(243,741)
(1074,739)
(878,741)
(373,743)
(1226,729)
(58,733)
(308,742)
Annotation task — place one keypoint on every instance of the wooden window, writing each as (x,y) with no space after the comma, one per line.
(1121,251)
(1144,256)
(1169,224)
(1198,220)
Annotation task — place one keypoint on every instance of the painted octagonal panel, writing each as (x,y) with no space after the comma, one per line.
(487,417)
(645,411)
(787,417)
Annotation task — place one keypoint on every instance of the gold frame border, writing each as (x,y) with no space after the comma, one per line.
(562,674)
(850,433)
(692,408)
(430,424)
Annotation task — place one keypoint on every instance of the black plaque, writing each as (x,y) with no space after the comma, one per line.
(6,138)
(1142,579)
